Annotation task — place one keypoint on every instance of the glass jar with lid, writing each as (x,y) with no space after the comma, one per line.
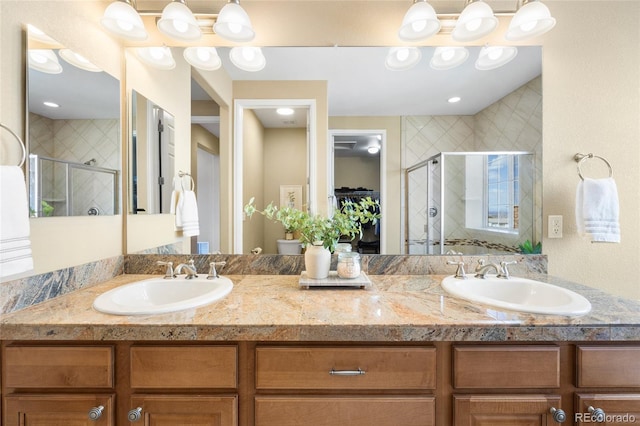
(348,265)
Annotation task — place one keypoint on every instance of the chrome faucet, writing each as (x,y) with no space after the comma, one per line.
(482,269)
(190,269)
(213,273)
(169,271)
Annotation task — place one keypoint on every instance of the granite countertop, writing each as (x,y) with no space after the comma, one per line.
(395,308)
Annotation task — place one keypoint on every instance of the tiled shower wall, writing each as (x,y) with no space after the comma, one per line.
(79,141)
(512,123)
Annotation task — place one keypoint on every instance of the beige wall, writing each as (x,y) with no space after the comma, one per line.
(253,175)
(284,158)
(355,172)
(591,82)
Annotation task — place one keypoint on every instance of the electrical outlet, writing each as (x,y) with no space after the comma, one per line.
(555,226)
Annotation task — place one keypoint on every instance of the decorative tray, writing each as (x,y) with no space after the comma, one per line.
(333,280)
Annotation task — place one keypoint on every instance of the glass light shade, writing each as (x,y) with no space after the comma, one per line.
(402,58)
(37,34)
(420,22)
(121,19)
(248,58)
(178,22)
(491,57)
(233,24)
(475,21)
(204,58)
(157,57)
(445,58)
(531,20)
(44,60)
(77,60)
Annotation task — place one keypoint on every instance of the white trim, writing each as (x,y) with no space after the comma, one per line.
(383,174)
(238,203)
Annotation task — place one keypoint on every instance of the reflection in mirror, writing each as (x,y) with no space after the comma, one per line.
(152,154)
(73,132)
(459,109)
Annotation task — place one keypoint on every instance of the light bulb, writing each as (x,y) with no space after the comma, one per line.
(203,54)
(448,54)
(180,26)
(473,24)
(156,52)
(124,25)
(418,26)
(402,54)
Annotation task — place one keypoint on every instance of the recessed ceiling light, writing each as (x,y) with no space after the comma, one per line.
(285,111)
(373,149)
(454,99)
(51,104)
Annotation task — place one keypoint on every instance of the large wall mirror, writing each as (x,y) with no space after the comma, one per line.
(499,110)
(462,109)
(73,132)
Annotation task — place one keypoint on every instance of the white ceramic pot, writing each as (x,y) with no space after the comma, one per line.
(289,247)
(317,261)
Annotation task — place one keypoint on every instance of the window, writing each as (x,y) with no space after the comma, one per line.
(502,193)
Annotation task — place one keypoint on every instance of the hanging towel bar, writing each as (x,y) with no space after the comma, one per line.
(22,145)
(580,158)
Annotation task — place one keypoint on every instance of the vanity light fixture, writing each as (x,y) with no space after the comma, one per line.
(204,58)
(123,20)
(158,57)
(402,58)
(44,60)
(78,60)
(178,22)
(492,57)
(37,34)
(476,21)
(419,23)
(531,20)
(247,58)
(233,23)
(447,57)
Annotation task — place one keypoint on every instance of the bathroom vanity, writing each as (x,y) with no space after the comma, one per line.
(400,353)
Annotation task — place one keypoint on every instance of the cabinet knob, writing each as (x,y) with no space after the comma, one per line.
(558,414)
(597,414)
(135,414)
(96,412)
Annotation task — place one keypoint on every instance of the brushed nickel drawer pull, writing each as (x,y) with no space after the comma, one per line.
(358,372)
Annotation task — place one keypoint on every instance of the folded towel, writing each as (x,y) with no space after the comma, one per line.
(187,214)
(15,245)
(597,210)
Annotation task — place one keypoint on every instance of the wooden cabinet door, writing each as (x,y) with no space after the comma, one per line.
(344,410)
(57,410)
(504,410)
(619,409)
(159,410)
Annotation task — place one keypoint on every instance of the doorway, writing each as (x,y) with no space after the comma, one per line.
(356,170)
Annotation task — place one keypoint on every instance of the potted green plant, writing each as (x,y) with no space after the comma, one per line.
(319,234)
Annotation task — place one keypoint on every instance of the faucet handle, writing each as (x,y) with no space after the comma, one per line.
(212,269)
(169,272)
(504,272)
(460,273)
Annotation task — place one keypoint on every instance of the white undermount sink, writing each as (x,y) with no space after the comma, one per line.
(159,295)
(518,294)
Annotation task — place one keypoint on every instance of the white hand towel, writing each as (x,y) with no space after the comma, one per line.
(187,214)
(598,209)
(15,245)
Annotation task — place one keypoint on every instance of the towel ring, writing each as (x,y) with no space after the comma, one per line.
(579,158)
(182,174)
(24,149)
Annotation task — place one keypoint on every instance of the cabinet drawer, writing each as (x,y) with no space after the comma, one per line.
(345,368)
(506,367)
(59,367)
(352,411)
(608,366)
(189,367)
